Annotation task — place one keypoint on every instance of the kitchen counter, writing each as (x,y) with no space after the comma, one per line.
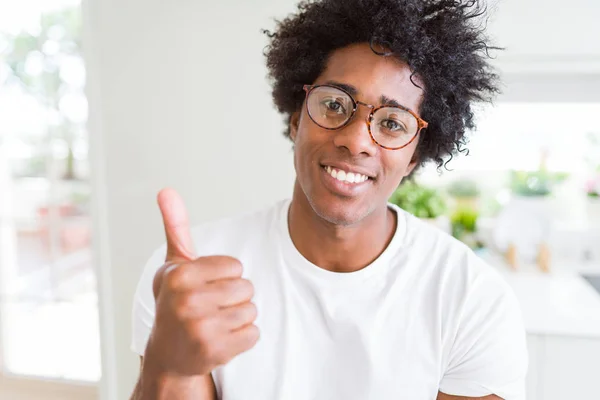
(560,302)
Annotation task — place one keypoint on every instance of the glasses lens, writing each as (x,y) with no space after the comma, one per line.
(393,127)
(329,107)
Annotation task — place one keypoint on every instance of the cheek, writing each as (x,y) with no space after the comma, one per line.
(397,162)
(305,145)
(308,138)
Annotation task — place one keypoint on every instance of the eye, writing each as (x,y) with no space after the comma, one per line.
(334,105)
(393,125)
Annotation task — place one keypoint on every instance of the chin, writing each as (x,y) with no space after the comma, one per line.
(339,211)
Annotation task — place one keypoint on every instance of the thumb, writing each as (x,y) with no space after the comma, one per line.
(177,225)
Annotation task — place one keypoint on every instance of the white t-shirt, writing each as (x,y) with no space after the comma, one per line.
(427,315)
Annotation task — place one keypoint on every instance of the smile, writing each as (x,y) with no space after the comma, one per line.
(345,176)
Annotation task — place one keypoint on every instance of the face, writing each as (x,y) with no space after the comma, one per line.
(318,151)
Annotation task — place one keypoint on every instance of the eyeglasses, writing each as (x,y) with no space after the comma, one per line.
(390,127)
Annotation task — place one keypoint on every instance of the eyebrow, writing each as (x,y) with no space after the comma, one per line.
(388,101)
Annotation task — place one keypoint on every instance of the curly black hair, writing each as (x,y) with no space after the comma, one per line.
(442,41)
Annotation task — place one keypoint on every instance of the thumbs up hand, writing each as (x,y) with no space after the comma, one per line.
(204,316)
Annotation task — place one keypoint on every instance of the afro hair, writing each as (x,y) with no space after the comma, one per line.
(442,41)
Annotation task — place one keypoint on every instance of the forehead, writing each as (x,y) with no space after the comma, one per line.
(373,75)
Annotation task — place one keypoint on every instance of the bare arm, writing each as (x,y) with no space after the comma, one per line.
(443,396)
(152,385)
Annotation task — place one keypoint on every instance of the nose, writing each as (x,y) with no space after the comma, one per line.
(355,135)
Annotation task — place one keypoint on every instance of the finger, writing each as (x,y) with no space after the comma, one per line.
(177,226)
(193,305)
(192,275)
(210,298)
(241,340)
(220,267)
(236,317)
(230,292)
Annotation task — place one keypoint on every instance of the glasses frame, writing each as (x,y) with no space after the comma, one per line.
(421,123)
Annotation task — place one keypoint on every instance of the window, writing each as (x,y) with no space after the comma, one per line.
(48,300)
(563,137)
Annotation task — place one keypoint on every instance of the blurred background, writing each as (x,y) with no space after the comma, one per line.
(102,103)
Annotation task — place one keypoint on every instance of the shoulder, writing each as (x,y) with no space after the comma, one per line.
(462,283)
(440,254)
(481,325)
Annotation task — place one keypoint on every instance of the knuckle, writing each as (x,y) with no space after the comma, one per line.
(239,289)
(250,312)
(252,335)
(175,276)
(241,314)
(230,260)
(231,265)
(236,267)
(247,287)
(160,278)
(242,288)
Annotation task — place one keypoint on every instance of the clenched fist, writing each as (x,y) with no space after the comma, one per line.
(204,313)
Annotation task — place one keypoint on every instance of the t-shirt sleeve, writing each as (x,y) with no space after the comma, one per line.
(489,350)
(143,303)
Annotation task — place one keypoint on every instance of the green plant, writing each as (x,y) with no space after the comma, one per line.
(464,226)
(464,220)
(593,187)
(421,201)
(535,183)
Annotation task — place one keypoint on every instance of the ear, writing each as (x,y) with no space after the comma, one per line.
(414,162)
(294,122)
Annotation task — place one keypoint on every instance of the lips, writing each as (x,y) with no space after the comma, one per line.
(345,182)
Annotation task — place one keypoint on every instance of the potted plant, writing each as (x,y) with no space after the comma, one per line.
(532,189)
(464,226)
(525,223)
(423,202)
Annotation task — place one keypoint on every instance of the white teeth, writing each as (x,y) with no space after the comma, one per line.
(343,176)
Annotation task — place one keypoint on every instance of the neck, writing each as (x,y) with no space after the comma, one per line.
(334,247)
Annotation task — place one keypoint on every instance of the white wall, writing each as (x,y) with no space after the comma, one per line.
(160,75)
(546,36)
(178,97)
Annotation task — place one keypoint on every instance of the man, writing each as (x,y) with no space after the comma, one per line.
(352,297)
